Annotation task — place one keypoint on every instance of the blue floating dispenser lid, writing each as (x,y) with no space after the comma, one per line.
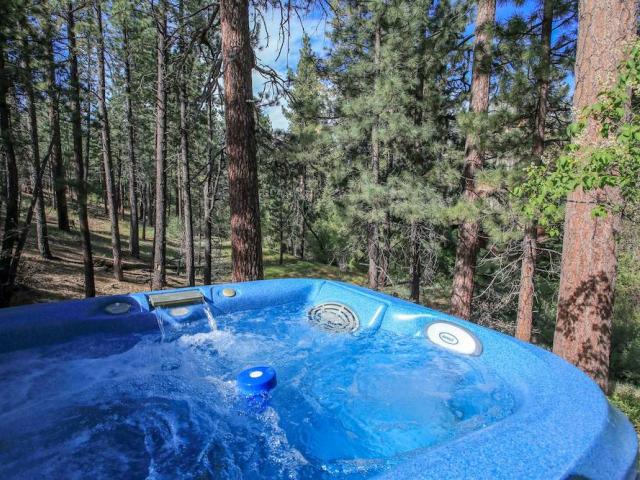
(256,380)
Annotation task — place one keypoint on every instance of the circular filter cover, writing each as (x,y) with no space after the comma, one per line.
(334,317)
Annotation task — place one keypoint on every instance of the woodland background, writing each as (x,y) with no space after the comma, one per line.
(430,151)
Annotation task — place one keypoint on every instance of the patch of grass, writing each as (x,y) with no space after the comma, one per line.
(627,398)
(294,267)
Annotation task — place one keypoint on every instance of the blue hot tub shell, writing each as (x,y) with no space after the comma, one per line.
(563,426)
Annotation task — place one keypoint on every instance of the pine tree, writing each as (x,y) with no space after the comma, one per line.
(12,213)
(185,187)
(306,136)
(469,229)
(105,131)
(587,282)
(406,96)
(159,238)
(246,237)
(524,320)
(29,50)
(81,178)
(57,161)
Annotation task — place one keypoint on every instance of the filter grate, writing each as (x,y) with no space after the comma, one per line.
(333,317)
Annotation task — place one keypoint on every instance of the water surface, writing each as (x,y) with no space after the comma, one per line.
(144,406)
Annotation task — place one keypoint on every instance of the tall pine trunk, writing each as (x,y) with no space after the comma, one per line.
(373,237)
(81,180)
(159,238)
(210,193)
(184,159)
(237,55)
(415,267)
(10,232)
(524,320)
(302,185)
(106,149)
(42,236)
(588,270)
(87,154)
(134,243)
(57,162)
(469,230)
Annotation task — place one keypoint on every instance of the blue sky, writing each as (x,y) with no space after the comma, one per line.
(281,55)
(317,27)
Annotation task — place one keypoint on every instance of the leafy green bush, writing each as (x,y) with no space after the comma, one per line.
(627,398)
(625,341)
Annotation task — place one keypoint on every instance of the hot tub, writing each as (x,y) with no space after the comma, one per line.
(356,385)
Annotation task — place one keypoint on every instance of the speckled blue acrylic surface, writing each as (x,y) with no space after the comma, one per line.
(560,426)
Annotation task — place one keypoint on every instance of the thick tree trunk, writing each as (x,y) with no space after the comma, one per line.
(237,55)
(42,236)
(76,122)
(373,237)
(134,243)
(10,232)
(57,162)
(469,230)
(524,321)
(159,239)
(184,160)
(588,274)
(106,150)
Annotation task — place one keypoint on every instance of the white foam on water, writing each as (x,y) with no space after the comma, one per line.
(120,406)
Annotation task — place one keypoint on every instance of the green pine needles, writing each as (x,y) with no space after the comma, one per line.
(613,164)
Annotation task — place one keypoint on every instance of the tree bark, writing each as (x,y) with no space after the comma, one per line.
(144,211)
(24,230)
(159,239)
(106,149)
(469,230)
(11,218)
(237,54)
(42,236)
(524,321)
(373,246)
(57,162)
(416,263)
(588,270)
(134,242)
(87,154)
(184,159)
(210,195)
(302,185)
(81,187)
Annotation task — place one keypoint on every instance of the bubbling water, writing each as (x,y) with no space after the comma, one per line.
(164,405)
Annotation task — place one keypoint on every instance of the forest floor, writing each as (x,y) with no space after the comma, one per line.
(62,278)
(41,280)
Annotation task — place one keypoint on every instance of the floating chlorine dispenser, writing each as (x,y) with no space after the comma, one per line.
(255,383)
(256,380)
